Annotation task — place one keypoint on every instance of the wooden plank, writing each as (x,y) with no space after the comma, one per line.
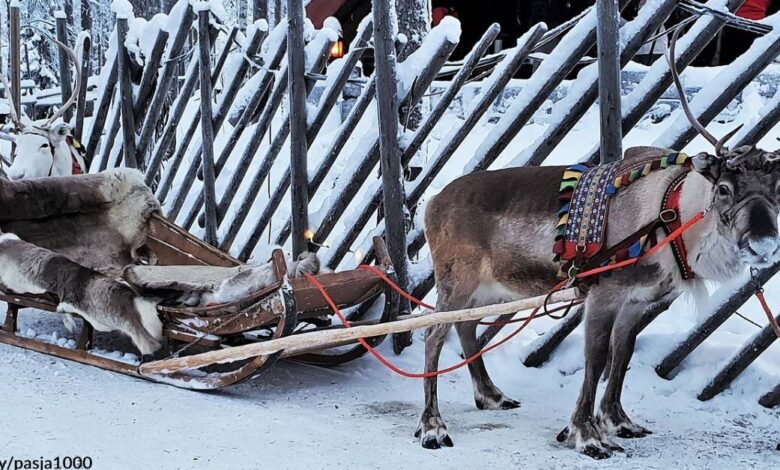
(166,81)
(140,100)
(393,194)
(195,155)
(746,355)
(66,88)
(325,105)
(608,47)
(297,115)
(15,93)
(207,131)
(81,103)
(771,399)
(102,106)
(324,338)
(125,94)
(721,312)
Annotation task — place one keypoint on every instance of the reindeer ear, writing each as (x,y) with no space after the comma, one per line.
(59,132)
(708,166)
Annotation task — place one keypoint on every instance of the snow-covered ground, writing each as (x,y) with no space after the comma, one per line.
(362,416)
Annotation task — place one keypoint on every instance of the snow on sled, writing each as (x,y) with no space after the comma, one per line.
(42,212)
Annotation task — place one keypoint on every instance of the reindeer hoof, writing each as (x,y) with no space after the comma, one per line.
(433,433)
(632,432)
(498,403)
(596,452)
(563,435)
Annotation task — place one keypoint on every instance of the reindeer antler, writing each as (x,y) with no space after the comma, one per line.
(718,143)
(77,85)
(681,91)
(11,108)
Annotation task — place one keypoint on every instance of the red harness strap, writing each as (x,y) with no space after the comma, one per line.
(670,216)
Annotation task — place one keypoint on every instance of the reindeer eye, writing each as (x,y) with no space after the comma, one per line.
(45,146)
(724,190)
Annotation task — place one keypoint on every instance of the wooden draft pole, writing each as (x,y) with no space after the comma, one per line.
(125,93)
(608,47)
(81,103)
(207,131)
(320,339)
(394,198)
(66,89)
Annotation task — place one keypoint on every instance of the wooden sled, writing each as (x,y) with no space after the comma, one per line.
(276,310)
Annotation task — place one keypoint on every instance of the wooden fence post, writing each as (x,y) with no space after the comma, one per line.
(207,131)
(608,47)
(65,85)
(81,104)
(297,114)
(102,104)
(15,93)
(125,93)
(394,198)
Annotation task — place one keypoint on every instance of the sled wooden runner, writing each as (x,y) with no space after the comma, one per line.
(276,311)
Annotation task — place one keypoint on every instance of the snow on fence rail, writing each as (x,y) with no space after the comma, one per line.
(215,176)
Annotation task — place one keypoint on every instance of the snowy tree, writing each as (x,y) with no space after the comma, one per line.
(414,20)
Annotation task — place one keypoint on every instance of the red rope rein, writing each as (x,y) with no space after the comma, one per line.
(525,321)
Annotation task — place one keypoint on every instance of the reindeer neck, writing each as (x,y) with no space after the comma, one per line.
(711,255)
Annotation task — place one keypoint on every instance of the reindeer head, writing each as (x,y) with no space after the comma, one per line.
(42,149)
(745,190)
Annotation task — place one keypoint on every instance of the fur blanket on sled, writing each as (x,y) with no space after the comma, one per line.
(72,236)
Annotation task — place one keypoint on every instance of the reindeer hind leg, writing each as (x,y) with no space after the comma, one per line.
(486,395)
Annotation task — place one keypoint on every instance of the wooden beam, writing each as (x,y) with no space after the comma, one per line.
(125,94)
(207,131)
(15,93)
(81,103)
(322,339)
(744,357)
(608,47)
(721,312)
(166,81)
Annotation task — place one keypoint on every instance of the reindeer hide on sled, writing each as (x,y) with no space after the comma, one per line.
(72,236)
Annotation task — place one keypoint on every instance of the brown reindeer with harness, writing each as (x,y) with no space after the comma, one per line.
(491,233)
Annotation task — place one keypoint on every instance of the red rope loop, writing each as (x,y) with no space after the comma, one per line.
(525,321)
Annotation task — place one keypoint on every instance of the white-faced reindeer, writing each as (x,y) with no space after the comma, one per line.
(491,235)
(44,148)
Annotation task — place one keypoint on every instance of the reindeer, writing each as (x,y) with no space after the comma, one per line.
(45,148)
(491,233)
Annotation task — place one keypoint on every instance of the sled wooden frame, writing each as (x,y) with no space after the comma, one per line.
(277,308)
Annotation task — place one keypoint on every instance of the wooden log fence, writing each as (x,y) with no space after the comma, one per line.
(228,173)
(81,103)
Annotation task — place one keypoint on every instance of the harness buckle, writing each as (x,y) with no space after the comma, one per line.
(668,216)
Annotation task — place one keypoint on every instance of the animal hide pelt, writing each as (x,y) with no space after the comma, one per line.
(207,285)
(72,236)
(106,304)
(97,220)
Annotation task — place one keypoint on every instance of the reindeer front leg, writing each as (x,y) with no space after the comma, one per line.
(583,431)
